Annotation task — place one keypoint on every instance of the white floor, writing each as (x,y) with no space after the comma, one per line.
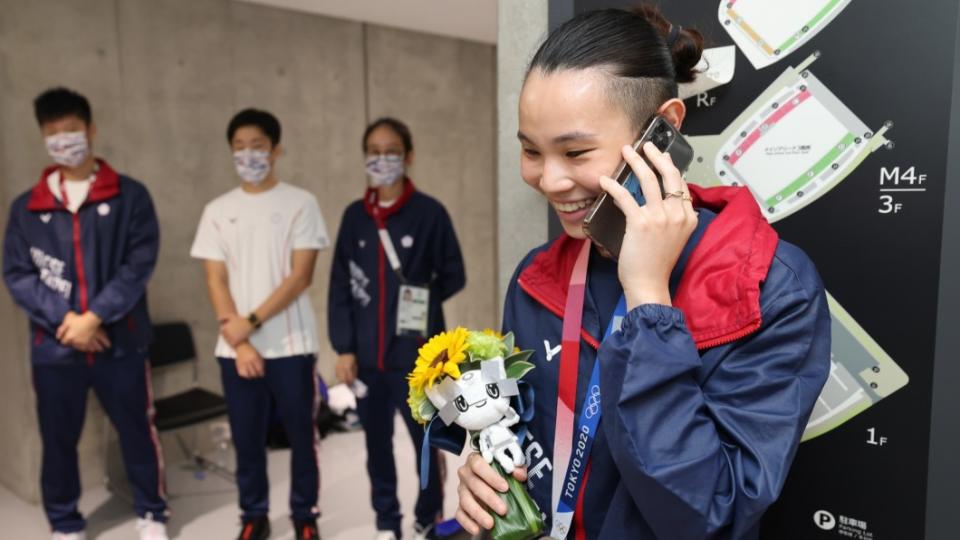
(206,508)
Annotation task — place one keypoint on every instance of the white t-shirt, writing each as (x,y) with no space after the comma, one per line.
(77,190)
(255,235)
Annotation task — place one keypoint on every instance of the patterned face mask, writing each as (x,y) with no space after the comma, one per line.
(253,166)
(384,169)
(69,149)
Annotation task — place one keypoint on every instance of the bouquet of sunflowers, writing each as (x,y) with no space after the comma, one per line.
(468,378)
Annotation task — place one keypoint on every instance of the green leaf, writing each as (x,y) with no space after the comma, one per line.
(518,369)
(522,521)
(470,366)
(427,410)
(508,341)
(521,356)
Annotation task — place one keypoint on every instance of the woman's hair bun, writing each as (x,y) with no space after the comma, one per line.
(686,47)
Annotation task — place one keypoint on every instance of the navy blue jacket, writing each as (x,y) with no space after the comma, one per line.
(98,259)
(703,403)
(364,290)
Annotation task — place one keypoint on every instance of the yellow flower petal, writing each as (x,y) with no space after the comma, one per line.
(439,356)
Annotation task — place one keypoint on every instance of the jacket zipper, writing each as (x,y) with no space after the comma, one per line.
(383,307)
(81,272)
(730,338)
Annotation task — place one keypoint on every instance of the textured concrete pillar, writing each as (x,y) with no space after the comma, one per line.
(521,212)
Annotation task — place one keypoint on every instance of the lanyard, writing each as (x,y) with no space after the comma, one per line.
(387,242)
(566,488)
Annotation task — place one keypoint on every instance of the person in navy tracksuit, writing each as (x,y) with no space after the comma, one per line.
(78,251)
(707,381)
(363,303)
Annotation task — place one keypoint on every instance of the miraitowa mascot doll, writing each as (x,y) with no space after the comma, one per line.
(472,380)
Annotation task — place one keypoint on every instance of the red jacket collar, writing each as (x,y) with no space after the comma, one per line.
(371,201)
(105,186)
(719,292)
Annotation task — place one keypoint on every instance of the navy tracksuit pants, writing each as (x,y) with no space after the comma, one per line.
(290,383)
(123,387)
(387,393)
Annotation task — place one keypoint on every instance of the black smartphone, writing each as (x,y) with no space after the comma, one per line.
(605,224)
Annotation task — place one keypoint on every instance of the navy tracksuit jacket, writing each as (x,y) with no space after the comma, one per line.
(361,316)
(100,260)
(703,404)
(362,306)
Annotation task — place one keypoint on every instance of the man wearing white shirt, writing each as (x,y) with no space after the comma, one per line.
(259,243)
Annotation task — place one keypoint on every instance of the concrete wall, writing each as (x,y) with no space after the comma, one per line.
(521,212)
(164,77)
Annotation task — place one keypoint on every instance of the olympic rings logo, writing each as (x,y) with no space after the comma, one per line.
(593,402)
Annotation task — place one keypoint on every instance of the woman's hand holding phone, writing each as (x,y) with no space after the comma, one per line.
(657,232)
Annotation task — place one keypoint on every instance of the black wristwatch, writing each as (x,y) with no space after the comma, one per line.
(254,320)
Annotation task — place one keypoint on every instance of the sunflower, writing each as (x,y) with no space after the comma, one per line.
(440,356)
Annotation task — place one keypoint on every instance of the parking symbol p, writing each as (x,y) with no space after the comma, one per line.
(824,520)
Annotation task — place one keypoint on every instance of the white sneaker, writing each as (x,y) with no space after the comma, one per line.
(70,536)
(151,530)
(385,535)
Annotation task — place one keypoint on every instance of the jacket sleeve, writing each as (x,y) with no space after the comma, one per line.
(704,457)
(43,305)
(449,274)
(340,323)
(129,284)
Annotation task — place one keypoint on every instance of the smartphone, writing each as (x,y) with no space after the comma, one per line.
(605,224)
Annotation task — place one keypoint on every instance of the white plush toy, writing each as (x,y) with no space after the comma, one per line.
(468,378)
(479,401)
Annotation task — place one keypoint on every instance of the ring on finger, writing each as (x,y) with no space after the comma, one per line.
(679,194)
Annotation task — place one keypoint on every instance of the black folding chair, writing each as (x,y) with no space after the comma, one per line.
(173,346)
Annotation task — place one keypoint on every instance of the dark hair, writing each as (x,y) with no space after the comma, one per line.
(631,45)
(397,126)
(267,123)
(60,102)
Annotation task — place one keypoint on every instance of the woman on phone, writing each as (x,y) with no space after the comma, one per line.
(715,334)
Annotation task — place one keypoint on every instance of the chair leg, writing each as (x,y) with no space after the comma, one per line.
(205,464)
(187,453)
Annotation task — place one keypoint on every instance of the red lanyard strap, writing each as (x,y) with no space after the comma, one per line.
(569,367)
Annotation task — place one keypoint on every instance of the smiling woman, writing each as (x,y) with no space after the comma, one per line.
(717,333)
